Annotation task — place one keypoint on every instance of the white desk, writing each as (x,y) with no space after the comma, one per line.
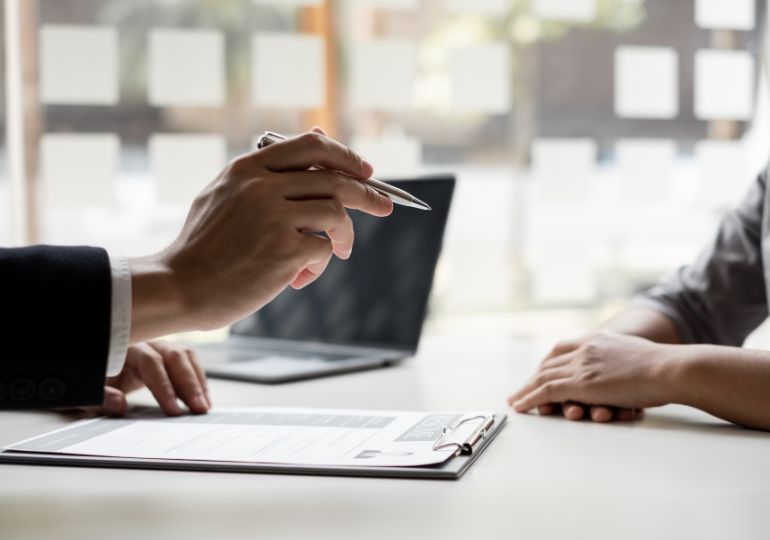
(676,474)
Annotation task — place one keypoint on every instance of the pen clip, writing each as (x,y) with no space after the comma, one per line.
(268,138)
(465,447)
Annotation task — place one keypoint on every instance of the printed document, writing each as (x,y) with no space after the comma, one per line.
(267,435)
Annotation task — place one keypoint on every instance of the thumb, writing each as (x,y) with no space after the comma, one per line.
(114,402)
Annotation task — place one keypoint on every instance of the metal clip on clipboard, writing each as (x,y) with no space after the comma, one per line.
(466,447)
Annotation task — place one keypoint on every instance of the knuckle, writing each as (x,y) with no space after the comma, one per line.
(540,379)
(240,165)
(588,376)
(589,347)
(176,355)
(152,358)
(548,389)
(313,139)
(354,157)
(337,183)
(337,208)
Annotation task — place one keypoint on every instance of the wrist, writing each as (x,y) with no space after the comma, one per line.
(679,369)
(159,305)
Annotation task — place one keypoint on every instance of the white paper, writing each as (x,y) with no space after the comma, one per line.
(725,14)
(481,79)
(645,167)
(392,156)
(328,437)
(288,71)
(562,169)
(383,73)
(724,85)
(492,8)
(646,82)
(186,68)
(182,165)
(566,10)
(78,65)
(79,170)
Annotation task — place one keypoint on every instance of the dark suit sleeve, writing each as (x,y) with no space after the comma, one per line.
(55,326)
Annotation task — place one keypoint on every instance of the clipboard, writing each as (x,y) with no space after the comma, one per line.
(466,454)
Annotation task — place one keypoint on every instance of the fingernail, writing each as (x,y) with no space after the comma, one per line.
(368,167)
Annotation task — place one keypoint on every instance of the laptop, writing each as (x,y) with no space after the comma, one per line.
(363,313)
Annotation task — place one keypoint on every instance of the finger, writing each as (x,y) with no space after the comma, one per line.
(326,215)
(550,392)
(557,361)
(313,149)
(563,347)
(114,403)
(540,378)
(153,372)
(625,415)
(319,129)
(184,378)
(325,184)
(548,409)
(201,373)
(573,411)
(602,414)
(318,253)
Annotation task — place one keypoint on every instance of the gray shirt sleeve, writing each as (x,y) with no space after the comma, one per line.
(721,298)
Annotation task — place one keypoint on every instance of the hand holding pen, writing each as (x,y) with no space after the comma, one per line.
(398,196)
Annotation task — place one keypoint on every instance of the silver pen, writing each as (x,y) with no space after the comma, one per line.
(398,196)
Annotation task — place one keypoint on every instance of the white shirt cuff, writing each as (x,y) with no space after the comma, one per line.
(120,316)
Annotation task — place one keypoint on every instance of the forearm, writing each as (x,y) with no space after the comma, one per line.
(728,382)
(644,323)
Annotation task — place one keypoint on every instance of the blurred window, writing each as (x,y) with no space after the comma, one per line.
(597,142)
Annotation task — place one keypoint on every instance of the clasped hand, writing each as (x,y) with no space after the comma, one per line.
(609,376)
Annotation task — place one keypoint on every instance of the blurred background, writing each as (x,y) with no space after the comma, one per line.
(597,143)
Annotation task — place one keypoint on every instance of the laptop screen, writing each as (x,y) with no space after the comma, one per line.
(379,296)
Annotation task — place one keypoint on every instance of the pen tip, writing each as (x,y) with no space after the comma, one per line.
(422,205)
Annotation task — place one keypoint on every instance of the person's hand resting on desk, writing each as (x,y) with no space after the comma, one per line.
(626,372)
(170,371)
(638,362)
(681,342)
